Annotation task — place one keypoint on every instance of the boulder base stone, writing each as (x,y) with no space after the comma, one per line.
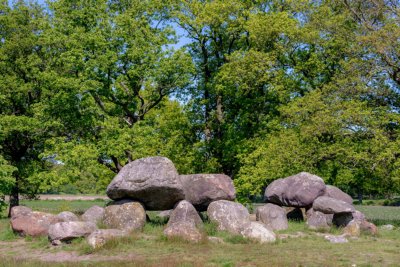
(20,211)
(94,214)
(153,181)
(99,237)
(258,232)
(299,190)
(33,224)
(317,220)
(336,193)
(65,231)
(352,229)
(330,205)
(368,228)
(185,230)
(229,216)
(185,212)
(184,222)
(273,216)
(129,216)
(202,189)
(67,216)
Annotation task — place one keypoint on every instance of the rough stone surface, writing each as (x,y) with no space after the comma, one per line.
(153,181)
(184,222)
(299,190)
(94,214)
(185,230)
(387,227)
(336,239)
(352,229)
(258,232)
(336,193)
(20,211)
(33,224)
(215,240)
(358,216)
(129,216)
(185,212)
(368,228)
(330,205)
(67,216)
(202,189)
(273,216)
(318,220)
(229,216)
(65,231)
(342,219)
(99,237)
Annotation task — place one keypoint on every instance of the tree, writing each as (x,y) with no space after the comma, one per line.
(22,128)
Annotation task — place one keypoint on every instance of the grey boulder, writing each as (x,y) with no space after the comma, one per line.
(184,222)
(67,216)
(94,214)
(299,190)
(33,224)
(317,220)
(129,216)
(99,237)
(184,212)
(229,216)
(202,189)
(273,216)
(20,211)
(258,232)
(65,231)
(336,193)
(154,181)
(332,206)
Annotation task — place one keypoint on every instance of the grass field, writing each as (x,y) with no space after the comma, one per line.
(150,248)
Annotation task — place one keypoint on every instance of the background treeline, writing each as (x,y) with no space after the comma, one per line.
(261,90)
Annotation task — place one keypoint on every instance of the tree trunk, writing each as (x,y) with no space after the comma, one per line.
(14,196)
(360,196)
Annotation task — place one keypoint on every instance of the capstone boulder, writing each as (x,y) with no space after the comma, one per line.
(299,190)
(154,181)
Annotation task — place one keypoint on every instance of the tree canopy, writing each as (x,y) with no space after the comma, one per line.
(259,91)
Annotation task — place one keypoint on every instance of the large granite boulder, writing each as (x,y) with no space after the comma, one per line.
(317,220)
(184,222)
(229,216)
(273,216)
(67,216)
(129,216)
(369,228)
(33,224)
(99,237)
(65,231)
(332,206)
(94,214)
(184,212)
(299,190)
(20,211)
(336,193)
(258,232)
(202,189)
(153,181)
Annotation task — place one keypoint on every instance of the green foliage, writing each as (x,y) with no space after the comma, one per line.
(261,90)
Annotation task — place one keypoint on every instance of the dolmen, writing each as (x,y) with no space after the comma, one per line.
(325,205)
(154,184)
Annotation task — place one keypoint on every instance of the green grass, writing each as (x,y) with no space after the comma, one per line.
(381,215)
